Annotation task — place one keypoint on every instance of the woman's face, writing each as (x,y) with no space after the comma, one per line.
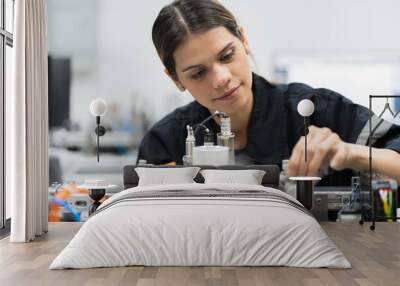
(214,68)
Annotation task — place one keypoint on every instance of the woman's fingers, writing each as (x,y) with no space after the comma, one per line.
(296,166)
(296,158)
(322,146)
(340,158)
(322,154)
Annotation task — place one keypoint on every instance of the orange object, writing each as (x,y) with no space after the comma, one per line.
(82,190)
(54,213)
(63,193)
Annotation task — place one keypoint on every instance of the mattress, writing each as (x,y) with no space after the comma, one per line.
(201,225)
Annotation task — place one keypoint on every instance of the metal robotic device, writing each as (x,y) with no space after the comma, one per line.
(224,138)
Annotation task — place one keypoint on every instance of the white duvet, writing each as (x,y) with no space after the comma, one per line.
(183,231)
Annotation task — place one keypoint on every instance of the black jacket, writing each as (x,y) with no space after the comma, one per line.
(275,126)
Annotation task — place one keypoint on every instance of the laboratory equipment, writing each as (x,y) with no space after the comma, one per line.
(206,155)
(189,144)
(226,137)
(211,155)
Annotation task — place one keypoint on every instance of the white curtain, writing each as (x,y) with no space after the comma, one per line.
(27,123)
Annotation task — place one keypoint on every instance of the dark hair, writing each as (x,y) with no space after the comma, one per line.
(183,17)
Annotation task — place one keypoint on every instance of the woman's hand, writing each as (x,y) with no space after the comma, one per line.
(324,148)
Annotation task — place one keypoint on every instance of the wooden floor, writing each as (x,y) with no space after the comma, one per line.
(375,256)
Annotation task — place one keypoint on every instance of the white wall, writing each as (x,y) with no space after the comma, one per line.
(127,63)
(329,25)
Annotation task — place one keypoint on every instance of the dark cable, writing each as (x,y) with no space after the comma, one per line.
(202,124)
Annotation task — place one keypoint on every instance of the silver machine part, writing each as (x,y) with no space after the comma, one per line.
(337,196)
(226,125)
(189,144)
(226,137)
(228,141)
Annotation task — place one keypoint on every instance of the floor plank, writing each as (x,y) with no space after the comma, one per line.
(374,255)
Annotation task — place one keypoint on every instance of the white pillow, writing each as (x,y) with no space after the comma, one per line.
(248,177)
(165,176)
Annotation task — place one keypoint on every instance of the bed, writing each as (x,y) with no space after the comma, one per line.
(201,224)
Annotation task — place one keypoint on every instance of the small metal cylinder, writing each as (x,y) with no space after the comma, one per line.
(189,144)
(209,139)
(228,141)
(189,148)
